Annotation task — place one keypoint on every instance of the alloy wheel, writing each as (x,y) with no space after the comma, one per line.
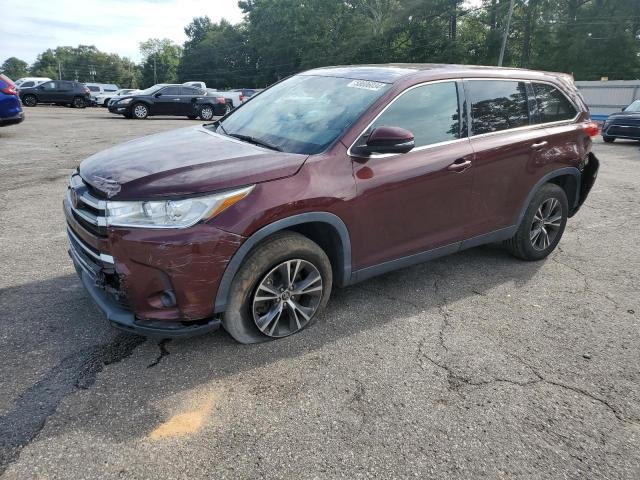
(546,224)
(206,113)
(287,298)
(140,111)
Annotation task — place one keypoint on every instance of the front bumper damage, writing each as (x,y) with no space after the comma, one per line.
(156,283)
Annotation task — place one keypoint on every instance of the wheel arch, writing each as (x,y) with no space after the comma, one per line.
(326,229)
(568,178)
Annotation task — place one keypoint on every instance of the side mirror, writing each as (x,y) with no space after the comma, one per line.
(387,140)
(157,95)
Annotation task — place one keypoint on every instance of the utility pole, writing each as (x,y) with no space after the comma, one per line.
(59,71)
(506,33)
(155,74)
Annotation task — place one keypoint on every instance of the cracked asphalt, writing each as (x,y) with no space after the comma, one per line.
(475,365)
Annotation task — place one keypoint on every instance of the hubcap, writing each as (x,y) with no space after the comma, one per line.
(287,298)
(206,113)
(140,111)
(546,224)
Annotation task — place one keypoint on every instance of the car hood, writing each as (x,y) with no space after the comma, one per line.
(181,162)
(625,115)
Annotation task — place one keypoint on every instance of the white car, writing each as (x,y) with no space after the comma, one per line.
(102,99)
(100,88)
(236,98)
(26,82)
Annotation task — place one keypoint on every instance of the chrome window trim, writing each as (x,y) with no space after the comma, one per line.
(470,137)
(393,100)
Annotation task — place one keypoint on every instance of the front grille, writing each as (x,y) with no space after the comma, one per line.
(87,209)
(624,131)
(632,121)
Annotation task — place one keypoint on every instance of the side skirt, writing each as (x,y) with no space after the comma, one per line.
(375,270)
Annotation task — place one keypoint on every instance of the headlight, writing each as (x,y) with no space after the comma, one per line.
(171,213)
(125,101)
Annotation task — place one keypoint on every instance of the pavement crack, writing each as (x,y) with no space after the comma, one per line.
(36,404)
(162,347)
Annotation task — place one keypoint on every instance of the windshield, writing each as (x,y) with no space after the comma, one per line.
(94,89)
(303,114)
(634,107)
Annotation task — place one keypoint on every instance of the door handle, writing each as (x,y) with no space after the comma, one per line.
(538,146)
(460,165)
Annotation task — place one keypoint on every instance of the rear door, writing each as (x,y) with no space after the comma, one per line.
(190,97)
(64,93)
(510,152)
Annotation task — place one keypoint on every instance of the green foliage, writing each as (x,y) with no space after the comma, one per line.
(588,38)
(160,60)
(86,64)
(14,68)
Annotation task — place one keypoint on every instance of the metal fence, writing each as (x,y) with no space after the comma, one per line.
(605,98)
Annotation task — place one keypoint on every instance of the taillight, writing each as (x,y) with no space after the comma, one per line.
(591,128)
(242,98)
(9,90)
(86,90)
(220,100)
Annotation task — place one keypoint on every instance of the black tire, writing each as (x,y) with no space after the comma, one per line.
(78,102)
(227,108)
(29,101)
(192,117)
(608,139)
(524,244)
(279,248)
(106,102)
(206,113)
(139,111)
(127,115)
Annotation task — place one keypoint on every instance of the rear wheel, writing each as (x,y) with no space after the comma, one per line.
(78,102)
(30,100)
(227,108)
(279,290)
(542,225)
(140,111)
(608,139)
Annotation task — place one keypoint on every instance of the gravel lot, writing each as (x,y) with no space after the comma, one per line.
(475,365)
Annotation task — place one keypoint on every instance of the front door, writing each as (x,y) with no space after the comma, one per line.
(169,102)
(47,92)
(415,202)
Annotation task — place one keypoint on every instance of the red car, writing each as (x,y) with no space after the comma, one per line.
(327,178)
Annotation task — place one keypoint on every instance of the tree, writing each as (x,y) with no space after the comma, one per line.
(15,68)
(160,60)
(86,63)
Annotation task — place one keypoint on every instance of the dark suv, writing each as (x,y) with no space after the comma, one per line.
(165,99)
(624,124)
(60,92)
(327,178)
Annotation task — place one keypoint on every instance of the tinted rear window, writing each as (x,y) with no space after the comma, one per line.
(94,89)
(497,105)
(553,106)
(27,84)
(172,91)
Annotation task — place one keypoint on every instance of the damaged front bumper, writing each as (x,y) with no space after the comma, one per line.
(156,283)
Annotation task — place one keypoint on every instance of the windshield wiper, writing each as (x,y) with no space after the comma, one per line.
(254,140)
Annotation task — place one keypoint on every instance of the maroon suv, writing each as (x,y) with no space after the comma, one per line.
(327,178)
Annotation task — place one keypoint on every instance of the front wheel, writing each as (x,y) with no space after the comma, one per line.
(279,290)
(206,113)
(542,225)
(140,111)
(78,102)
(30,100)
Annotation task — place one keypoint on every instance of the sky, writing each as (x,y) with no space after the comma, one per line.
(113,26)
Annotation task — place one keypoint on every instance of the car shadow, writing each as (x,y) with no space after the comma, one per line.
(70,319)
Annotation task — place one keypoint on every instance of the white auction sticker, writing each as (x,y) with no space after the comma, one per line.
(366,84)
